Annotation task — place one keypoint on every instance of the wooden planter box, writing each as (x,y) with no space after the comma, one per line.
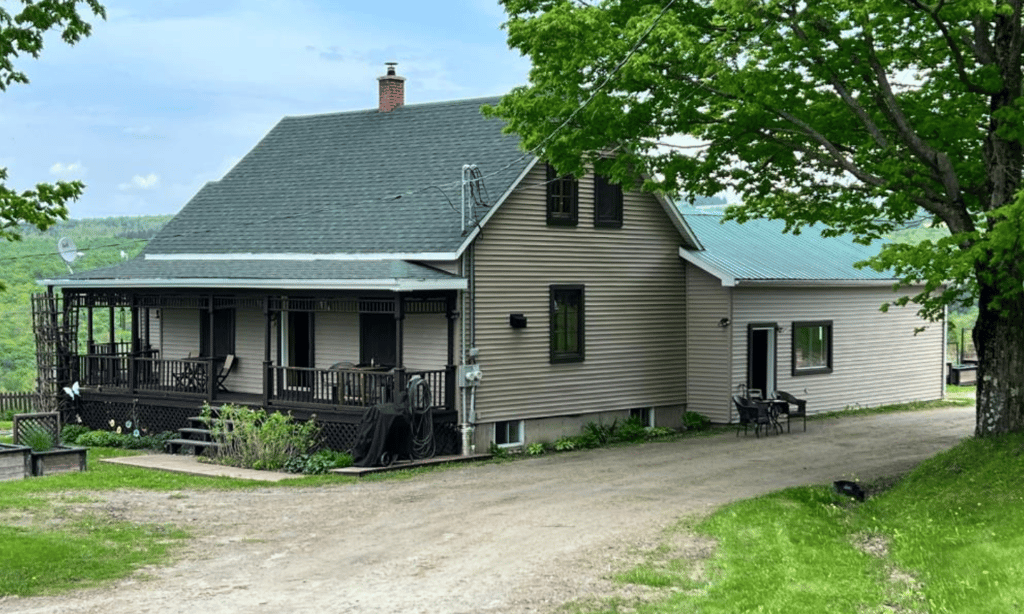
(58,460)
(15,462)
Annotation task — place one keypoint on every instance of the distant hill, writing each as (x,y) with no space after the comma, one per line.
(100,242)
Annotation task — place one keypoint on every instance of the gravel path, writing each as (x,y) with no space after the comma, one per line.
(516,538)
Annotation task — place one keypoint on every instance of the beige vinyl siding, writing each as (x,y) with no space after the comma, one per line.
(250,332)
(426,341)
(708,381)
(155,340)
(876,357)
(635,326)
(337,338)
(179,329)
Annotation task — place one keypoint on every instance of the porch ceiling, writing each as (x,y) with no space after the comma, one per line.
(394,275)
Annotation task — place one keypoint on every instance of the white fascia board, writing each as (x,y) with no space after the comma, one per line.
(476,229)
(297,257)
(395,285)
(689,256)
(677,218)
(833,283)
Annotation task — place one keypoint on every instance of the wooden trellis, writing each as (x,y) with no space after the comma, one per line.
(55,325)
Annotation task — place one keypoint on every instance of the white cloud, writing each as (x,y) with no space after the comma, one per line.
(70,170)
(140,182)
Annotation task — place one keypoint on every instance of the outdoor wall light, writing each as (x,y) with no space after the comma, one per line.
(723,322)
(517,320)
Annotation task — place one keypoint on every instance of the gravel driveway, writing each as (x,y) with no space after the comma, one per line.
(517,537)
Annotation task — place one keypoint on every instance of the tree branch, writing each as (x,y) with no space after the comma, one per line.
(951,43)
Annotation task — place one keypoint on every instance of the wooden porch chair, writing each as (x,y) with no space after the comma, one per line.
(225,371)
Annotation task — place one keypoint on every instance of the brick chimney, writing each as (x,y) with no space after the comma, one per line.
(392,90)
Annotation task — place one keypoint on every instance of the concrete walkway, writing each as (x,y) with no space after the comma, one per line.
(179,463)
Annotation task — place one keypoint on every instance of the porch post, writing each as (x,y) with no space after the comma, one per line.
(91,341)
(400,382)
(451,312)
(266,351)
(113,338)
(132,367)
(211,377)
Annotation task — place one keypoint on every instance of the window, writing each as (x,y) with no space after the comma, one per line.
(607,203)
(223,333)
(812,347)
(566,323)
(563,199)
(644,414)
(508,433)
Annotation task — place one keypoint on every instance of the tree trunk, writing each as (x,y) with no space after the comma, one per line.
(999,339)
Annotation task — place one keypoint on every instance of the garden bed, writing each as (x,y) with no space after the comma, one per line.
(56,460)
(15,462)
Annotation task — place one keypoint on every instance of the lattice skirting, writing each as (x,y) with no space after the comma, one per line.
(148,419)
(153,419)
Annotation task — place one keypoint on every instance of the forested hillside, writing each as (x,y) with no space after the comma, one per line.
(100,242)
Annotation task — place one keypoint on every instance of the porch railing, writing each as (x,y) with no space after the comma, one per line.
(147,373)
(352,388)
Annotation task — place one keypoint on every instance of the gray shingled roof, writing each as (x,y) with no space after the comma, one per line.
(326,184)
(383,273)
(759,250)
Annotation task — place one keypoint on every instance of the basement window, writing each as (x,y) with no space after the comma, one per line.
(508,433)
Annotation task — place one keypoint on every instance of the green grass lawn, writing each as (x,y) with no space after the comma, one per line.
(47,548)
(948,537)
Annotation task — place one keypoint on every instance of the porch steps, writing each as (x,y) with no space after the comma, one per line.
(194,439)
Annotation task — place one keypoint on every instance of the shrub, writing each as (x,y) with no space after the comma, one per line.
(100,439)
(70,433)
(654,432)
(599,434)
(695,422)
(111,439)
(631,430)
(258,440)
(536,449)
(565,444)
(318,463)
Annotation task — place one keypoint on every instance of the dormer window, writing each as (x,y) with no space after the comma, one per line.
(563,199)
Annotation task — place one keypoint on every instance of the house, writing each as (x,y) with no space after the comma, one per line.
(352,256)
(348,253)
(773,311)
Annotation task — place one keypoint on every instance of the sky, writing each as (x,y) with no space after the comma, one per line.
(166,95)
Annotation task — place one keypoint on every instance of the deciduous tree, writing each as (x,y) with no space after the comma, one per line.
(23,32)
(859,115)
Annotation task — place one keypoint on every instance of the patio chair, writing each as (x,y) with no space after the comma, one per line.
(752,413)
(792,407)
(225,371)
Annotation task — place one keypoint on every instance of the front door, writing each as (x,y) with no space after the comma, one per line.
(761,358)
(377,339)
(297,346)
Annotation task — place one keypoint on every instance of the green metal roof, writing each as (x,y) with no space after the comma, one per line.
(362,182)
(759,251)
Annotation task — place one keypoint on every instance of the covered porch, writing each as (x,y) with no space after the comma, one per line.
(304,352)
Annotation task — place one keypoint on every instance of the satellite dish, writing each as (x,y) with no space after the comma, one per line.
(68,251)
